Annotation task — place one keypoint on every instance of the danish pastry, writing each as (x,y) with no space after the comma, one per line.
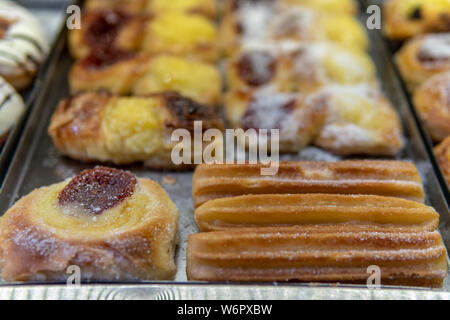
(374,213)
(360,120)
(405,19)
(423,57)
(107,222)
(432,101)
(443,155)
(11,108)
(129,73)
(317,254)
(297,123)
(97,126)
(385,178)
(289,66)
(188,35)
(22,45)
(290,23)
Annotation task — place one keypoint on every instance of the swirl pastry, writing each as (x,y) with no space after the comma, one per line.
(423,57)
(288,66)
(360,120)
(22,45)
(97,126)
(176,33)
(373,213)
(264,23)
(317,254)
(385,178)
(298,124)
(443,155)
(205,7)
(405,19)
(109,223)
(11,108)
(432,101)
(139,75)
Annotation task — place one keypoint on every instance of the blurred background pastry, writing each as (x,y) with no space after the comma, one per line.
(443,155)
(12,108)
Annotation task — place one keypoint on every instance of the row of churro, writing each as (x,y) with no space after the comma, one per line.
(315,222)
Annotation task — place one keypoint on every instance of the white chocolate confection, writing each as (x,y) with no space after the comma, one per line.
(11,107)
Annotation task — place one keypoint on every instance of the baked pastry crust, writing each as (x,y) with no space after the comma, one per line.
(443,155)
(432,101)
(374,213)
(423,57)
(404,19)
(317,254)
(386,178)
(41,235)
(97,126)
(141,75)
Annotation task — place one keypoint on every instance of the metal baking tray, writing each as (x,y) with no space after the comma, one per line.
(37,163)
(429,145)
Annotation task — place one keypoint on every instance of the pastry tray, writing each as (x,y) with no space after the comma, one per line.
(37,163)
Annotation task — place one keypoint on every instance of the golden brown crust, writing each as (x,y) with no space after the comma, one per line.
(432,101)
(374,213)
(423,57)
(33,249)
(387,178)
(443,155)
(317,254)
(78,129)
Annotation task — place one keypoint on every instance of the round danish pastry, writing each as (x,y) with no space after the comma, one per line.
(22,45)
(107,222)
(11,108)
(442,152)
(422,57)
(432,101)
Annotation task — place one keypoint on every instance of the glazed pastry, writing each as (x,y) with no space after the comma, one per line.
(443,155)
(297,123)
(432,101)
(22,45)
(183,34)
(405,19)
(97,126)
(423,57)
(385,178)
(301,67)
(11,108)
(374,213)
(205,7)
(360,120)
(264,23)
(317,254)
(135,74)
(109,223)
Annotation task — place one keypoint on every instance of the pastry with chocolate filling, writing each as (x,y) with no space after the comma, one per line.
(423,57)
(126,73)
(204,7)
(110,224)
(283,22)
(178,33)
(384,178)
(432,101)
(442,152)
(404,19)
(301,67)
(100,127)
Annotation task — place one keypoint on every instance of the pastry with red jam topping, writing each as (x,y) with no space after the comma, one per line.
(100,127)
(423,57)
(109,223)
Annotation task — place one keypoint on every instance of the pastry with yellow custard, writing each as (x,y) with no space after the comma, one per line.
(298,67)
(109,223)
(404,19)
(137,74)
(100,127)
